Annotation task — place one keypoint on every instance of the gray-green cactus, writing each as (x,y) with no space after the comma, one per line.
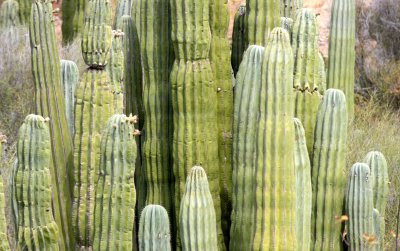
(115,192)
(69,81)
(322,74)
(359,208)
(124,7)
(154,232)
(37,229)
(245,124)
(4,245)
(287,24)
(379,225)
(328,164)
(341,58)
(116,62)
(290,7)
(303,188)
(198,220)
(24,10)
(73,13)
(9,14)
(50,102)
(238,38)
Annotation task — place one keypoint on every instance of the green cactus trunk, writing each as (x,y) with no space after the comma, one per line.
(9,14)
(73,13)
(245,124)
(198,220)
(261,17)
(154,232)
(116,65)
(359,208)
(24,10)
(37,229)
(290,7)
(287,24)
(275,174)
(327,174)
(50,102)
(341,58)
(69,81)
(379,225)
(238,38)
(322,74)
(115,192)
(303,188)
(4,246)
(123,8)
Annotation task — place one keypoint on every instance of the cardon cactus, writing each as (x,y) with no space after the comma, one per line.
(37,229)
(9,14)
(274,162)
(238,38)
(197,215)
(359,208)
(341,59)
(322,74)
(303,188)
(73,13)
(4,246)
(50,102)
(290,7)
(379,225)
(124,7)
(154,233)
(24,10)
(115,192)
(245,124)
(115,66)
(97,33)
(287,24)
(261,17)
(69,81)
(328,164)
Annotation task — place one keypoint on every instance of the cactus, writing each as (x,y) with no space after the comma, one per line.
(154,233)
(322,74)
(341,58)
(378,226)
(328,165)
(37,229)
(50,102)
(69,81)
(115,192)
(197,215)
(303,188)
(359,207)
(261,17)
(287,24)
(97,33)
(73,13)
(115,67)
(9,14)
(4,246)
(238,38)
(246,106)
(290,7)
(124,7)
(275,211)
(24,10)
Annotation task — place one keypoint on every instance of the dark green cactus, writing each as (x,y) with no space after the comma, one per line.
(69,81)
(50,102)
(322,74)
(9,14)
(4,246)
(341,58)
(116,62)
(198,220)
(124,7)
(359,208)
(290,7)
(97,33)
(276,211)
(73,13)
(37,229)
(303,188)
(238,38)
(24,10)
(287,24)
(327,174)
(115,192)
(246,107)
(154,232)
(261,17)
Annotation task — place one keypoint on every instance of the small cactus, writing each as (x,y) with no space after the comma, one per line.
(9,14)
(69,81)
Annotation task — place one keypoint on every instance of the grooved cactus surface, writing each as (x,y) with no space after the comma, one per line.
(50,102)
(197,215)
(303,188)
(37,229)
(245,124)
(327,174)
(24,10)
(124,7)
(73,13)
(238,38)
(322,74)
(69,81)
(287,24)
(359,207)
(4,246)
(115,192)
(95,104)
(9,14)
(274,162)
(379,225)
(154,232)
(341,58)
(116,65)
(290,7)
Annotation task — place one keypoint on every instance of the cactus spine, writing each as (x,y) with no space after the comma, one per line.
(246,107)
(73,18)
(124,7)
(341,58)
(328,164)
(303,188)
(69,81)
(115,191)
(197,215)
(154,233)
(290,7)
(9,14)
(37,229)
(24,10)
(238,38)
(50,102)
(359,207)
(4,246)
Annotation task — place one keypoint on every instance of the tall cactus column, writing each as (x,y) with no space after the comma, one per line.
(238,38)
(73,18)
(9,14)
(50,103)
(70,79)
(193,98)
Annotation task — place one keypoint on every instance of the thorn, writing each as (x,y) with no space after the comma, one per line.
(136,133)
(47,119)
(342,218)
(219,89)
(133,119)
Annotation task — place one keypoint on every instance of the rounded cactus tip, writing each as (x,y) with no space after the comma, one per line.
(279,34)
(360,169)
